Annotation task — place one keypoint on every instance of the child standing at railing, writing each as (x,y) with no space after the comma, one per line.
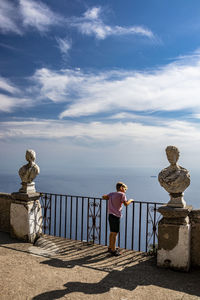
(115,201)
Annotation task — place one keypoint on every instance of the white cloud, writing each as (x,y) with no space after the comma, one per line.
(196,116)
(165,131)
(11,97)
(8,103)
(9,17)
(92,24)
(173,87)
(7,86)
(64,45)
(92,13)
(36,14)
(57,86)
(16,17)
(103,144)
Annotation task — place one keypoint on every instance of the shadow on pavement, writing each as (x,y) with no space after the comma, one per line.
(142,274)
(5,239)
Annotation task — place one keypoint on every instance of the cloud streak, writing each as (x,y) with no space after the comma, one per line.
(24,14)
(7,86)
(11,96)
(37,15)
(64,45)
(91,24)
(170,88)
(8,103)
(9,17)
(118,94)
(131,134)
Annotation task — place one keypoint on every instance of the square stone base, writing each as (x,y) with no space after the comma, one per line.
(26,220)
(174,246)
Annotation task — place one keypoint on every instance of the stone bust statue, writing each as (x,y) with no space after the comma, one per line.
(174,179)
(28,172)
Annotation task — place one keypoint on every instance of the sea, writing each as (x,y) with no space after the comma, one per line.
(142,184)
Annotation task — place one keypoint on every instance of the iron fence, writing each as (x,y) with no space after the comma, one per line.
(86,219)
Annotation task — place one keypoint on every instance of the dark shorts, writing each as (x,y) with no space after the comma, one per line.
(114,223)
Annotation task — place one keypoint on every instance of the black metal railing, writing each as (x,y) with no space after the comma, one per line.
(86,219)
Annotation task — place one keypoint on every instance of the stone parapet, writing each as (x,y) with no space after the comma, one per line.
(195,237)
(5,202)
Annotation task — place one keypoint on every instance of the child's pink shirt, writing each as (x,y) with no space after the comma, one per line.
(115,203)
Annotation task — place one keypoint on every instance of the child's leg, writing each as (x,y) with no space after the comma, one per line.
(114,239)
(110,241)
(114,229)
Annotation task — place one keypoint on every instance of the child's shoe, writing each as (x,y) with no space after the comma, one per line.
(109,249)
(115,253)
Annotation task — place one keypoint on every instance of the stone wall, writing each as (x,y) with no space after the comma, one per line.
(5,202)
(195,237)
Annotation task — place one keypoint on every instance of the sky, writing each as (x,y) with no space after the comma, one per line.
(99,84)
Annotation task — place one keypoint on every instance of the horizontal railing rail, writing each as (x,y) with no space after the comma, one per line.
(86,219)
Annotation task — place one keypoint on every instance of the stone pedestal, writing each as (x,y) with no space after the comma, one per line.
(28,188)
(174,237)
(25,216)
(176,200)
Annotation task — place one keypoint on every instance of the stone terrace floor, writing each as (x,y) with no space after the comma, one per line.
(57,268)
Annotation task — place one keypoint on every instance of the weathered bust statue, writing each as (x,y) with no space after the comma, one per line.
(174,179)
(28,172)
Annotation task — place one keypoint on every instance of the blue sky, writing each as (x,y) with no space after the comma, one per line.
(99,83)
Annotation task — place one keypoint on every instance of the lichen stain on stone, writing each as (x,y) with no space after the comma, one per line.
(168,237)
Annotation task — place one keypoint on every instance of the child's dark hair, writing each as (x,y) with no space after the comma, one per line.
(121,184)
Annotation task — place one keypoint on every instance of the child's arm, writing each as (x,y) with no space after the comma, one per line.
(105,197)
(126,203)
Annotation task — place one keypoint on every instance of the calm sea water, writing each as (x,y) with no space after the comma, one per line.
(94,183)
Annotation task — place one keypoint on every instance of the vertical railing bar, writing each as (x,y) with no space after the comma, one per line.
(133,225)
(65,216)
(55,215)
(76,217)
(71,219)
(60,215)
(46,213)
(154,226)
(139,237)
(147,222)
(88,220)
(106,233)
(43,210)
(50,205)
(100,207)
(126,221)
(82,219)
(94,220)
(41,203)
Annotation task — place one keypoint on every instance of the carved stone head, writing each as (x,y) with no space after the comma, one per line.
(173,154)
(30,155)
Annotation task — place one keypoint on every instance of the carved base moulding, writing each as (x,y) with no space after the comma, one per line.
(174,215)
